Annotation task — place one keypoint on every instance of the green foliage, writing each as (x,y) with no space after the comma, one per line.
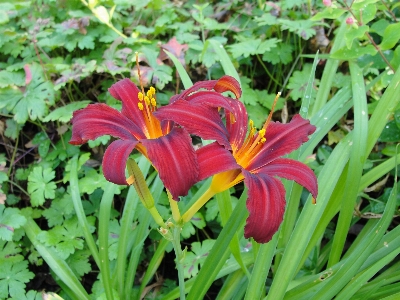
(57,57)
(13,276)
(30,101)
(10,219)
(298,83)
(40,185)
(64,113)
(60,210)
(196,257)
(65,238)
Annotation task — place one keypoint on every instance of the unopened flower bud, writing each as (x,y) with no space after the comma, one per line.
(349,21)
(327,2)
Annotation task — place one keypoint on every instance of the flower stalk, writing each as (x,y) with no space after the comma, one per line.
(188,215)
(176,215)
(179,257)
(137,180)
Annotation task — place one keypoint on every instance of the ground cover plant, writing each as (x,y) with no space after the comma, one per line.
(179,81)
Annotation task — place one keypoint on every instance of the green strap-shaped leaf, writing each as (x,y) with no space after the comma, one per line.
(219,253)
(80,213)
(186,81)
(104,220)
(56,264)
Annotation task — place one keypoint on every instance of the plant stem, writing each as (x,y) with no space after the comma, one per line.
(197,205)
(179,256)
(176,215)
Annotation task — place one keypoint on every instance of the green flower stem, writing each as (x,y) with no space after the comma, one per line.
(176,215)
(197,205)
(156,216)
(139,183)
(179,256)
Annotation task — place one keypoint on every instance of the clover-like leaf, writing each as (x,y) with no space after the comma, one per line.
(13,276)
(10,219)
(65,238)
(10,251)
(40,185)
(60,210)
(195,258)
(64,113)
(31,101)
(79,262)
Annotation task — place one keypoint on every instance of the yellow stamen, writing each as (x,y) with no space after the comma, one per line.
(153,129)
(153,102)
(272,110)
(140,96)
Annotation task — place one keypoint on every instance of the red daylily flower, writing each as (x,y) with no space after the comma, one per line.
(168,147)
(256,160)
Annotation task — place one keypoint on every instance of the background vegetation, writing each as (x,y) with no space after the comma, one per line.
(65,229)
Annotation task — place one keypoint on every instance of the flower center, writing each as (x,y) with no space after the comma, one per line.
(254,141)
(147,105)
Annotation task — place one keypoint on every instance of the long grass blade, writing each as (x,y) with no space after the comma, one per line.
(356,163)
(186,81)
(224,59)
(80,213)
(104,220)
(219,253)
(58,265)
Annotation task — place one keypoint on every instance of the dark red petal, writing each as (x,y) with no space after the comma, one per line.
(175,160)
(224,84)
(228,83)
(236,123)
(114,161)
(199,120)
(266,206)
(281,140)
(292,170)
(99,119)
(127,92)
(206,84)
(211,99)
(214,159)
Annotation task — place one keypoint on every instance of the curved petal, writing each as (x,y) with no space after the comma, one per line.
(292,170)
(205,84)
(127,92)
(282,139)
(114,161)
(99,119)
(211,99)
(175,160)
(214,159)
(236,124)
(228,83)
(266,206)
(224,84)
(199,120)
